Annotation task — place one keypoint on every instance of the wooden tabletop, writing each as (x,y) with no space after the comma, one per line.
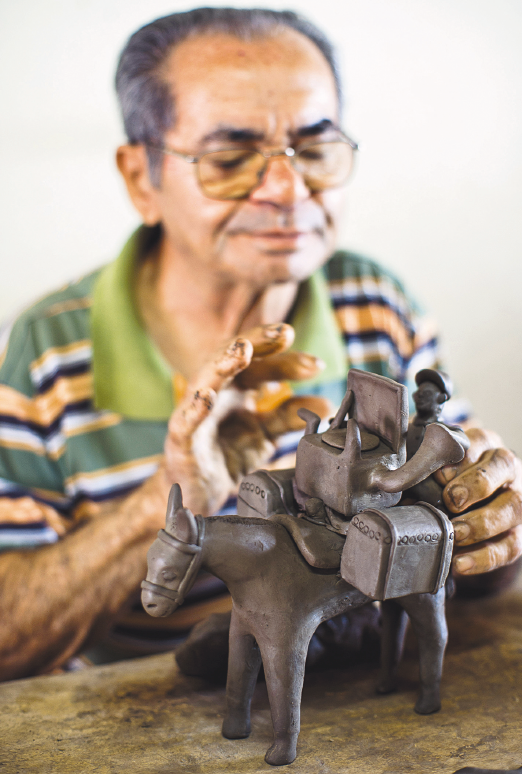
(143,716)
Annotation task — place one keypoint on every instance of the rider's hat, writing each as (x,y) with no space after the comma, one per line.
(439,378)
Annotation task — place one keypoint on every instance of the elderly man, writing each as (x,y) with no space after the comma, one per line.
(174,362)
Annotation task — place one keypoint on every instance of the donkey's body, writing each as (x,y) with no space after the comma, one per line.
(278,602)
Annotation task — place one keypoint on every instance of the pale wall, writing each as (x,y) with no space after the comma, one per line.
(434,95)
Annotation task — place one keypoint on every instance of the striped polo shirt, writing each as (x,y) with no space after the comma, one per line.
(85,395)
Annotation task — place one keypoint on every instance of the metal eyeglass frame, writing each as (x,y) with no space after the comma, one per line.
(289,152)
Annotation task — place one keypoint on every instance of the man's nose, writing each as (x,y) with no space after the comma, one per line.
(281,184)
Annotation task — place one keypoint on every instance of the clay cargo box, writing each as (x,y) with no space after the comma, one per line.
(392,552)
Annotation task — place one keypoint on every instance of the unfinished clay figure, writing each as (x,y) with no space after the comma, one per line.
(303,541)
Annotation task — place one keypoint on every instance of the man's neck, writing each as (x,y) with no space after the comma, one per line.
(190,315)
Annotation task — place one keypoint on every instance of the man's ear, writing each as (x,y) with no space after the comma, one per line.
(133,165)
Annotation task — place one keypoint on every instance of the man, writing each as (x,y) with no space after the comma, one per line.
(173,363)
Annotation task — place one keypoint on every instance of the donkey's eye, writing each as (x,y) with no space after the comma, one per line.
(168,575)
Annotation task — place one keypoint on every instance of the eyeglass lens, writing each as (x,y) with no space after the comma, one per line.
(233,174)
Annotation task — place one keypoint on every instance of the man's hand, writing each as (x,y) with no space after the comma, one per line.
(486,488)
(216,434)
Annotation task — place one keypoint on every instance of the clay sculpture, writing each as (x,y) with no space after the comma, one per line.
(434,388)
(301,542)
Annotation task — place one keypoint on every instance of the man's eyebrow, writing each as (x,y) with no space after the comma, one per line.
(232,134)
(325,125)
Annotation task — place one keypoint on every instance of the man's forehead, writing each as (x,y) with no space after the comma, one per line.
(282,47)
(236,84)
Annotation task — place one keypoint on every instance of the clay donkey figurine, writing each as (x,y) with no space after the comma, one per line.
(288,571)
(278,602)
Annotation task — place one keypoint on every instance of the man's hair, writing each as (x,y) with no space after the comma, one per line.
(146,100)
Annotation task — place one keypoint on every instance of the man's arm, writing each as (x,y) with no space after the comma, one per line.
(52,598)
(56,598)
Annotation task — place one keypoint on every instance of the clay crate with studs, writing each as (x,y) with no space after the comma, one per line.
(390,552)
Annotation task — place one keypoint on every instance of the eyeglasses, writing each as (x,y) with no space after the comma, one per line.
(235,173)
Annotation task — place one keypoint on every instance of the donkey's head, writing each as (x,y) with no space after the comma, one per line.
(173,560)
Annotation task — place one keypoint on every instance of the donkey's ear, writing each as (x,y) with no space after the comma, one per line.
(175,500)
(180,521)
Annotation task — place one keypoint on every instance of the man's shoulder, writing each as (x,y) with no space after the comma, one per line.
(345,265)
(58,322)
(354,277)
(71,296)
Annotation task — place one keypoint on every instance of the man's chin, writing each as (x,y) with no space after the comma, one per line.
(275,265)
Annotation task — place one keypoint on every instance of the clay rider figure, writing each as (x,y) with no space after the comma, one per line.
(434,389)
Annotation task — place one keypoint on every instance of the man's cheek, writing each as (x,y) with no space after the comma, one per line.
(333,203)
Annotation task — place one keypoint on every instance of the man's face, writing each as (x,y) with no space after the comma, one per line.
(269,93)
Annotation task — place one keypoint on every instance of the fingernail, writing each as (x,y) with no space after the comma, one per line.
(447,473)
(273,331)
(463,563)
(311,362)
(237,346)
(459,495)
(462,530)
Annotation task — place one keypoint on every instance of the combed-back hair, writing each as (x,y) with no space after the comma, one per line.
(145,97)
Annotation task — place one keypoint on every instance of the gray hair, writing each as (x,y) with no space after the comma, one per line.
(146,101)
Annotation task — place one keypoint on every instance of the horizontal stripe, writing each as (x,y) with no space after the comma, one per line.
(101,482)
(66,372)
(57,359)
(21,438)
(45,408)
(374,318)
(78,424)
(70,305)
(76,418)
(424,356)
(14,491)
(361,301)
(24,538)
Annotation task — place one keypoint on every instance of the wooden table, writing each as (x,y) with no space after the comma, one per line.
(144,716)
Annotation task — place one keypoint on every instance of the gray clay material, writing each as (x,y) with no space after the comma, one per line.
(312,543)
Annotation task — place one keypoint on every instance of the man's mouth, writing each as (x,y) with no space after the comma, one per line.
(278,241)
(278,234)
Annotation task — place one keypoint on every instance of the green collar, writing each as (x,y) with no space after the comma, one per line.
(132,378)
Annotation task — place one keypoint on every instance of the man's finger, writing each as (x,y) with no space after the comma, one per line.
(286,366)
(225,366)
(497,552)
(188,416)
(270,339)
(496,468)
(498,516)
(284,418)
(480,441)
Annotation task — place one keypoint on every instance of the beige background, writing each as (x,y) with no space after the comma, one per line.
(434,95)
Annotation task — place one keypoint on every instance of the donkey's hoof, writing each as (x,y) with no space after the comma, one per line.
(235,728)
(386,686)
(428,703)
(281,753)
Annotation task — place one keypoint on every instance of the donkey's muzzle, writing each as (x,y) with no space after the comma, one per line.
(157,601)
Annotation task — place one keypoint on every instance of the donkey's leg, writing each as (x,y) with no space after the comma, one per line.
(394,624)
(284,654)
(244,661)
(427,615)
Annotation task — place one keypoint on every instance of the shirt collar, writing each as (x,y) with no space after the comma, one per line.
(132,378)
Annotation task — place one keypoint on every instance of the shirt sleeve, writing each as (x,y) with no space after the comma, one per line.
(30,446)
